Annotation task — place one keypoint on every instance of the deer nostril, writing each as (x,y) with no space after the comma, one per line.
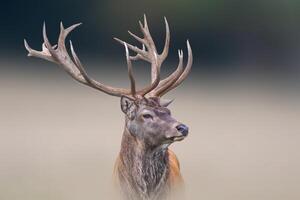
(183,129)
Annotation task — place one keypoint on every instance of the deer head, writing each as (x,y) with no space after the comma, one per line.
(146,112)
(150,122)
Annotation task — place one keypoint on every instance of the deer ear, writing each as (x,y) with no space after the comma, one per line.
(128,106)
(165,102)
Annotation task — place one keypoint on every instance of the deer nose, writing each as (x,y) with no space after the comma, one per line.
(183,129)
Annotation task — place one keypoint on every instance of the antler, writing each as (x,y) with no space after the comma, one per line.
(72,65)
(149,51)
(59,55)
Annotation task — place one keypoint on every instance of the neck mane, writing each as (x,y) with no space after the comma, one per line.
(144,169)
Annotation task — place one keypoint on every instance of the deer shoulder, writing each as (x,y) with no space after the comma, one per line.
(175,179)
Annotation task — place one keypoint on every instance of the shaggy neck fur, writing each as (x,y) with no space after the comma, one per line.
(144,171)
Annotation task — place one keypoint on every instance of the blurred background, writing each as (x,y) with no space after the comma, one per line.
(59,140)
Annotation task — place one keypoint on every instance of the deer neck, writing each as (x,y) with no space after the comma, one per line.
(145,169)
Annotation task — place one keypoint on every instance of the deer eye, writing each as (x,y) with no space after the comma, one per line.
(147,116)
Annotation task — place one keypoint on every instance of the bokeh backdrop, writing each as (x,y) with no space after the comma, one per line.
(59,140)
(226,35)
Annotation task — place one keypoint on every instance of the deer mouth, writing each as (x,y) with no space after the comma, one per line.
(176,138)
(179,138)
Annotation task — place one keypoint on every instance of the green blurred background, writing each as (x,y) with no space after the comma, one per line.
(227,35)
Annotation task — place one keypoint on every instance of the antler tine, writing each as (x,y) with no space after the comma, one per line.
(64,33)
(46,40)
(165,52)
(171,79)
(44,54)
(130,73)
(141,52)
(156,80)
(148,37)
(59,55)
(185,73)
(137,37)
(78,64)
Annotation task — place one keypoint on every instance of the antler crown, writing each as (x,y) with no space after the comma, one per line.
(73,66)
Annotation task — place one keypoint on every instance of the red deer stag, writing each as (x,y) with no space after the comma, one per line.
(145,168)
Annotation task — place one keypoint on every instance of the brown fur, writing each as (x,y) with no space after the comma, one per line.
(174,179)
